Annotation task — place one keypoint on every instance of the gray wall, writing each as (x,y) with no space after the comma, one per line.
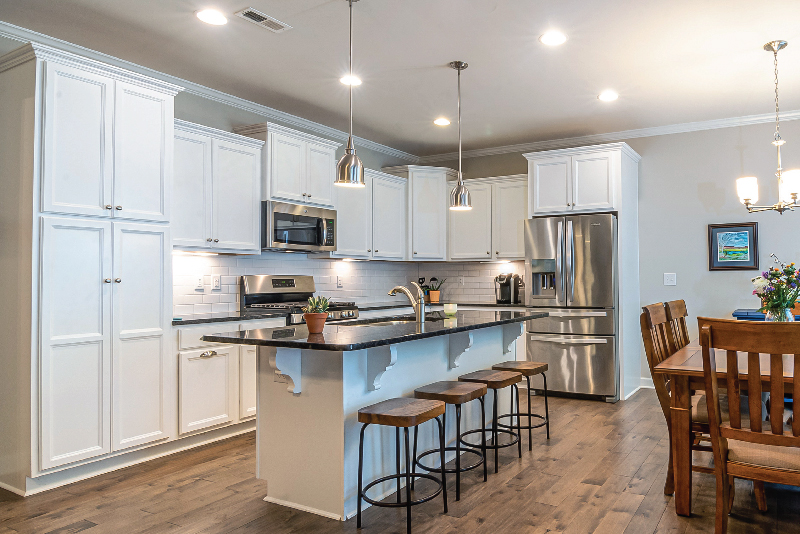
(687,181)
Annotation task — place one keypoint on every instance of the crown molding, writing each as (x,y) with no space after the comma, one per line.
(586,149)
(262,128)
(410,168)
(571,142)
(24,35)
(191,127)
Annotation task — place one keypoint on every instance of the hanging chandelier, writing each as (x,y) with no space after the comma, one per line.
(788,181)
(350,170)
(460,199)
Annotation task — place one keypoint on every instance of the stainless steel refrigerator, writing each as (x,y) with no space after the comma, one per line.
(570,271)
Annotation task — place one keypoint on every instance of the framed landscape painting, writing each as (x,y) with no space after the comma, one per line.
(733,247)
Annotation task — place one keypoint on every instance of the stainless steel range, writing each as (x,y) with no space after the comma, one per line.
(286,294)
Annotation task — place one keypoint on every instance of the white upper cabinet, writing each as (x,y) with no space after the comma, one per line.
(470,232)
(299,167)
(494,227)
(107,143)
(217,195)
(389,213)
(576,180)
(354,231)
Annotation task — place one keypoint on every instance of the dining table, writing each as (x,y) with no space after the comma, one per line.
(685,369)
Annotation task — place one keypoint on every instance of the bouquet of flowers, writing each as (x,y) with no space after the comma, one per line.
(778,288)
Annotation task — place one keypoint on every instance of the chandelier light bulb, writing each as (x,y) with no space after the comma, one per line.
(790,185)
(747,189)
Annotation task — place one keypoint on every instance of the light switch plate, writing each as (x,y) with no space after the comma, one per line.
(199,284)
(670,279)
(339,281)
(216,282)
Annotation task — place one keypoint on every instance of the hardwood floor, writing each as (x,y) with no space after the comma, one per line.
(602,471)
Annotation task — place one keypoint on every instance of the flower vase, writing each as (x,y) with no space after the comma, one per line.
(779,315)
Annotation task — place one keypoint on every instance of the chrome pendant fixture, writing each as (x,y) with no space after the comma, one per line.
(350,170)
(460,199)
(788,181)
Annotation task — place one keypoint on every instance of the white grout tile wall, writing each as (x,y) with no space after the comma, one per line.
(362,281)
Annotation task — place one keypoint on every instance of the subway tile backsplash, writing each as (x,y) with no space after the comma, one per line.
(362,281)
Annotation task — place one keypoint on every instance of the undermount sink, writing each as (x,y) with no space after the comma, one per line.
(390,323)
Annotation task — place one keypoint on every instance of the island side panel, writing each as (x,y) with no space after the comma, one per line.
(300,437)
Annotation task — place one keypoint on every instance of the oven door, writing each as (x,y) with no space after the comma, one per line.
(298,228)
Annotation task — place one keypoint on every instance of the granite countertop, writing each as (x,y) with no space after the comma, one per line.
(224,317)
(389,304)
(360,334)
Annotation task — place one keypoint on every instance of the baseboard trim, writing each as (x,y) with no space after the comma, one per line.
(303,508)
(632,393)
(90,470)
(647,383)
(12,489)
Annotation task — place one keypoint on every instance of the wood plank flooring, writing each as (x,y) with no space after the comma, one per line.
(603,471)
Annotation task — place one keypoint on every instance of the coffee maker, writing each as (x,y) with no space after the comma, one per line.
(507,288)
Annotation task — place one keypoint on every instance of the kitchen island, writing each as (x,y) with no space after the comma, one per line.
(311,386)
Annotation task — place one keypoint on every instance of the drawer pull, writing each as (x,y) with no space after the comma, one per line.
(208,354)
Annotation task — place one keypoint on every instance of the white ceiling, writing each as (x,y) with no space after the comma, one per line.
(672,61)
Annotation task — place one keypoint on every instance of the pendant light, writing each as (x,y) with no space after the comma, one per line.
(460,199)
(788,181)
(350,170)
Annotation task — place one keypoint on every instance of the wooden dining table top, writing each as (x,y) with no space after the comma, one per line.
(689,361)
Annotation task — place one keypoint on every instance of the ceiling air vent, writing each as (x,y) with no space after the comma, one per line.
(265,21)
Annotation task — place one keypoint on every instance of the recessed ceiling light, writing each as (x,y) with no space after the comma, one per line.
(441,121)
(350,80)
(212,16)
(553,38)
(608,95)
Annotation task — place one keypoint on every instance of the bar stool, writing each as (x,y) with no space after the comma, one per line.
(527,369)
(455,393)
(495,380)
(401,413)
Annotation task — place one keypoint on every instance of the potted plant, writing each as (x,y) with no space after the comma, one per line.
(315,314)
(778,288)
(434,289)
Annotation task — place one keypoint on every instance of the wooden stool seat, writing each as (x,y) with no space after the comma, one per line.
(526,368)
(492,378)
(401,412)
(451,392)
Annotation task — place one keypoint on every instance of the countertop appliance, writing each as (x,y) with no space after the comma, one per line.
(571,270)
(508,288)
(294,227)
(287,294)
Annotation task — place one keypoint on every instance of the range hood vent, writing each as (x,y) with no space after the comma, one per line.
(262,19)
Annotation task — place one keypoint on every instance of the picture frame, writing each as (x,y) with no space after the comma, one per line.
(733,247)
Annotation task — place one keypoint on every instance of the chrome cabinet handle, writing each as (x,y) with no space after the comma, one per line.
(376,250)
(118,280)
(304,194)
(216,241)
(109,207)
(107,280)
(209,240)
(119,208)
(496,252)
(489,253)
(208,354)
(369,250)
(309,195)
(415,253)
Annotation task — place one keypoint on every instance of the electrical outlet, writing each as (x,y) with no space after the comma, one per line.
(216,282)
(199,284)
(461,280)
(670,279)
(339,281)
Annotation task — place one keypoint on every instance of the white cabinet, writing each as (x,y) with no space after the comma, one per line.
(105,305)
(298,167)
(217,197)
(107,145)
(583,180)
(248,381)
(494,227)
(372,220)
(207,387)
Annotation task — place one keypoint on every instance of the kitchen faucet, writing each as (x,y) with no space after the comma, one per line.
(418,303)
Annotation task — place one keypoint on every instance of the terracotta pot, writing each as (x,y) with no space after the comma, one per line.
(315,322)
(434,296)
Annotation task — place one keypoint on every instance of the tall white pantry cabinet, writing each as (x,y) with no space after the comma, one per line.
(86,170)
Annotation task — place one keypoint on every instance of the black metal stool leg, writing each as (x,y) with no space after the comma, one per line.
(483,440)
(546,408)
(360,473)
(397,448)
(414,457)
(530,422)
(408,484)
(519,421)
(441,453)
(494,430)
(458,452)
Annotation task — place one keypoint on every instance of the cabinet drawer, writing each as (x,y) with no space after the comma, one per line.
(207,387)
(190,337)
(277,322)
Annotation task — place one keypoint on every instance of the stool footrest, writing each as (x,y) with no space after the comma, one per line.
(402,476)
(520,416)
(450,469)
(489,431)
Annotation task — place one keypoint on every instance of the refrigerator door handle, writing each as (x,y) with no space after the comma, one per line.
(559,270)
(570,246)
(568,341)
(577,314)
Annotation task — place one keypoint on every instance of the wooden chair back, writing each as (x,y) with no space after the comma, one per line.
(753,338)
(657,347)
(676,315)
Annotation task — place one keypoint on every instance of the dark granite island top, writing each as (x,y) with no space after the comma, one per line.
(367,333)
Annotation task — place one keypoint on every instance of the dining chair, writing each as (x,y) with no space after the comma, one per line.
(676,315)
(767,451)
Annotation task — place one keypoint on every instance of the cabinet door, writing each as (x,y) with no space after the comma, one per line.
(78,127)
(592,181)
(389,209)
(143,131)
(248,356)
(354,221)
(550,190)
(428,215)
(142,305)
(471,231)
(509,211)
(236,213)
(207,387)
(75,338)
(287,162)
(320,174)
(191,199)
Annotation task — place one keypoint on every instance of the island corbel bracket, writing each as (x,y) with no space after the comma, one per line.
(379,360)
(287,366)
(510,334)
(460,343)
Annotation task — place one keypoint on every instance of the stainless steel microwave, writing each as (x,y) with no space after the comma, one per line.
(294,227)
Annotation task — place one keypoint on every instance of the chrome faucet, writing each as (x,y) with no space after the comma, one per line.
(418,303)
